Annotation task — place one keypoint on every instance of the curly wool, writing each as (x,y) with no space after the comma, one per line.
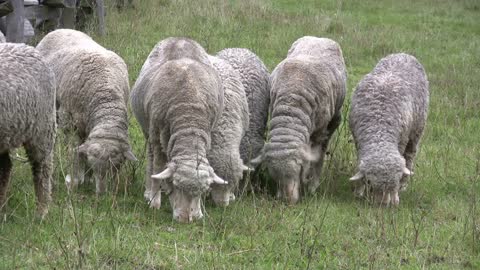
(93,90)
(387,118)
(308,89)
(27,116)
(177,99)
(224,155)
(256,81)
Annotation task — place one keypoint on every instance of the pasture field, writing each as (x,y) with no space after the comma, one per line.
(436,226)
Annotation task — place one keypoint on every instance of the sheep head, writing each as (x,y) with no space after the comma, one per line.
(289,168)
(380,177)
(105,157)
(185,182)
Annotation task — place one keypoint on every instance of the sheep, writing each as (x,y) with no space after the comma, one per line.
(307,93)
(2,38)
(256,80)
(27,118)
(92,96)
(224,155)
(177,100)
(387,118)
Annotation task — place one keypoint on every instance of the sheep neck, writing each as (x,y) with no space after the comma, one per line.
(379,147)
(188,147)
(109,123)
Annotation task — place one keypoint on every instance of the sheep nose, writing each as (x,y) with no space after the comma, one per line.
(395,198)
(183,217)
(292,192)
(382,198)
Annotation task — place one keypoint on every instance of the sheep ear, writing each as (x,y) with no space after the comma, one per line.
(357,176)
(406,171)
(245,168)
(311,154)
(130,156)
(167,173)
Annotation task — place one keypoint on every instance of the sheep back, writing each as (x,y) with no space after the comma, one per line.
(256,81)
(27,118)
(308,89)
(224,155)
(27,98)
(389,111)
(177,99)
(92,81)
(169,49)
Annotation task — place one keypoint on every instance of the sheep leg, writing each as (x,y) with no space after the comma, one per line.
(100,184)
(322,144)
(148,174)
(42,169)
(79,165)
(159,162)
(409,155)
(5,171)
(316,168)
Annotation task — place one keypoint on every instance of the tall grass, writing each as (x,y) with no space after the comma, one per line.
(436,225)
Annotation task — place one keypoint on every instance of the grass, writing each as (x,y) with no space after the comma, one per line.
(437,225)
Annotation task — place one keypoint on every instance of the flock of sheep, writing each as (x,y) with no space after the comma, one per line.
(204,117)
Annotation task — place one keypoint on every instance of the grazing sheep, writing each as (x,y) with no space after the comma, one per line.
(224,156)
(308,89)
(27,117)
(92,95)
(177,99)
(256,80)
(387,118)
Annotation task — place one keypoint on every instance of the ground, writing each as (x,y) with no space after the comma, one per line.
(436,226)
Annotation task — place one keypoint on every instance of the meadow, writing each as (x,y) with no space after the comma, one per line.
(436,226)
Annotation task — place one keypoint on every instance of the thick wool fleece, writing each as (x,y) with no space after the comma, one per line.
(224,155)
(308,89)
(177,100)
(92,96)
(27,117)
(256,81)
(387,119)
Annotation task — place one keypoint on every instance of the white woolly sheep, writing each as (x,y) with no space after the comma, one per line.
(177,100)
(308,89)
(387,118)
(256,81)
(224,155)
(92,96)
(27,117)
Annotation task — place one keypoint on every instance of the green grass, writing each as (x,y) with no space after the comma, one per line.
(437,225)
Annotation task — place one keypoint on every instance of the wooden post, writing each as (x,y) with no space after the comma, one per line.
(101,16)
(3,25)
(68,18)
(15,22)
(68,15)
